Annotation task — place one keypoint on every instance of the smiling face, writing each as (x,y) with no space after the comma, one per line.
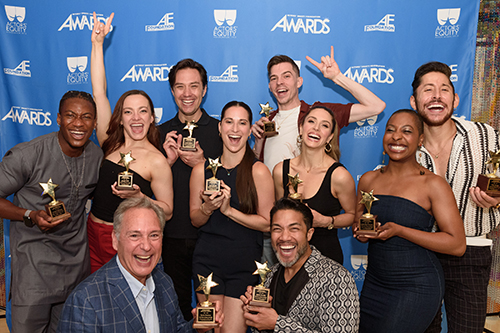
(139,243)
(434,99)
(235,128)
(402,137)
(76,120)
(317,128)
(188,93)
(137,116)
(290,238)
(284,83)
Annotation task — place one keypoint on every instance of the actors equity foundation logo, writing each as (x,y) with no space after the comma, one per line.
(447,19)
(15,20)
(454,75)
(306,24)
(82,21)
(20,70)
(164,24)
(229,75)
(370,74)
(225,19)
(383,25)
(19,114)
(77,67)
(145,72)
(359,264)
(366,128)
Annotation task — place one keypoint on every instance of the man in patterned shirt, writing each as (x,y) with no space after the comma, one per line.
(310,292)
(458,150)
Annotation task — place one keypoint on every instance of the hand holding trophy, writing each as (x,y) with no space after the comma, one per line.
(295,181)
(189,143)
(269,126)
(368,221)
(126,178)
(212,184)
(205,311)
(260,294)
(55,208)
(490,182)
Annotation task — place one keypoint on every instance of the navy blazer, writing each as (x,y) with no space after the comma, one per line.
(104,303)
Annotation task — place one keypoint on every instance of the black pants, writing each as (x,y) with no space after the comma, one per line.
(466,295)
(178,264)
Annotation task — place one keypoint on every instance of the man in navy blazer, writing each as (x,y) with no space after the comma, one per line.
(129,294)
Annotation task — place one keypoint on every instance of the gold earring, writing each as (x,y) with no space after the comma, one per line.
(328,147)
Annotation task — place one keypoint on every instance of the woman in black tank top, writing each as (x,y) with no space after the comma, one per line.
(327,187)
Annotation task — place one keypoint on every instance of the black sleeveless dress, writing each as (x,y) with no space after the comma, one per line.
(326,241)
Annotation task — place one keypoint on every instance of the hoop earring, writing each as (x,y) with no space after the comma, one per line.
(328,147)
(420,159)
(299,140)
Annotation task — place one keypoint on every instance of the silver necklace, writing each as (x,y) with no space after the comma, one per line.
(69,170)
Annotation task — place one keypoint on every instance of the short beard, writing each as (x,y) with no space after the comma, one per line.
(301,251)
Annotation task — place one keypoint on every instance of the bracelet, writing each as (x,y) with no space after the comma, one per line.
(202,208)
(332,224)
(497,206)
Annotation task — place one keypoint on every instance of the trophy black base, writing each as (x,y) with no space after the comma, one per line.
(57,211)
(367,225)
(489,185)
(188,144)
(205,317)
(125,182)
(212,186)
(260,297)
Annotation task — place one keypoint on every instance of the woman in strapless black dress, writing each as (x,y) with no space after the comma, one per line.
(404,283)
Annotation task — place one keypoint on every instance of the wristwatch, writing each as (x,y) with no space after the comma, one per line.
(331,225)
(26,218)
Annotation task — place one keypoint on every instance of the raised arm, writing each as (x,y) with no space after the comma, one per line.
(369,104)
(98,77)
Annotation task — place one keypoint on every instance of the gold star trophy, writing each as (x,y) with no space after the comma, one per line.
(260,294)
(269,126)
(367,221)
(205,311)
(55,208)
(212,184)
(295,181)
(125,178)
(490,182)
(189,143)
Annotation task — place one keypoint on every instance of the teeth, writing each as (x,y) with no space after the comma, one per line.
(190,102)
(435,106)
(137,125)
(313,136)
(143,257)
(289,247)
(234,136)
(397,148)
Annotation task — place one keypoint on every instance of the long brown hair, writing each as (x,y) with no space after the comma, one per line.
(116,138)
(245,185)
(334,142)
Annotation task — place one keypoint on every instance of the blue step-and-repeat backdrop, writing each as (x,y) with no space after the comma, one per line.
(45,51)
